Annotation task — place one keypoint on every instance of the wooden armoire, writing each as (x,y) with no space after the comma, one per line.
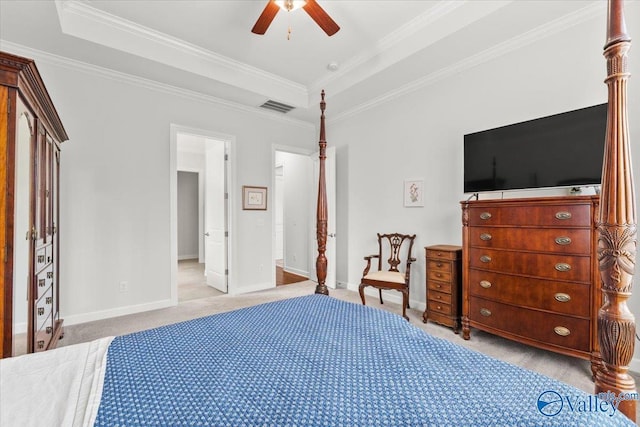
(30,136)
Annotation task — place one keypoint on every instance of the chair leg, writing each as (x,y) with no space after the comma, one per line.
(361,292)
(380,291)
(405,304)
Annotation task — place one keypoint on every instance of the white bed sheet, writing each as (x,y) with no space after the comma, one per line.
(60,387)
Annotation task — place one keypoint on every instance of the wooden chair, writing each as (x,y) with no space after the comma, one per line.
(391,245)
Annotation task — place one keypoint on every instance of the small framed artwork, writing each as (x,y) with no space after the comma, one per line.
(254,198)
(414,193)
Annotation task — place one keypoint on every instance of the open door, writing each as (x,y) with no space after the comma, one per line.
(215,220)
(330,253)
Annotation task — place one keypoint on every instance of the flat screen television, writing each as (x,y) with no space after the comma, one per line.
(563,150)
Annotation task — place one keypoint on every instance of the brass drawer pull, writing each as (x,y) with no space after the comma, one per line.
(486,237)
(40,344)
(439,307)
(562,240)
(485,284)
(560,297)
(485,258)
(563,215)
(562,331)
(562,266)
(485,215)
(485,312)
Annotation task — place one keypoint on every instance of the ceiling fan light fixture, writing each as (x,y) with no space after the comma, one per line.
(290,5)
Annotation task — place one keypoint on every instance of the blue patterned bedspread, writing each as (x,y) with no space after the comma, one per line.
(319,361)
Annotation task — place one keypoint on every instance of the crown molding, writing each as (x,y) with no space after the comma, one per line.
(81,20)
(591,11)
(95,70)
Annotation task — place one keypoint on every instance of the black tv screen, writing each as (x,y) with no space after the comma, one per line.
(563,150)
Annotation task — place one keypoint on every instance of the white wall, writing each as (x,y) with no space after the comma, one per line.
(188,215)
(115,204)
(421,135)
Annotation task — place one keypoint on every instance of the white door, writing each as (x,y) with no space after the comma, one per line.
(215,250)
(330,182)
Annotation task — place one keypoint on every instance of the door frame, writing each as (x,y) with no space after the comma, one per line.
(230,146)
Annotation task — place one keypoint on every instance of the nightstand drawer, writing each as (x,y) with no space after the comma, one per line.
(439,307)
(437,265)
(440,297)
(439,275)
(439,287)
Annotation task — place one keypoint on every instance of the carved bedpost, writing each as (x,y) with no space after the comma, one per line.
(617,224)
(321,225)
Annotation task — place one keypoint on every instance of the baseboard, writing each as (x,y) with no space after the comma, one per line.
(252,288)
(116,312)
(185,257)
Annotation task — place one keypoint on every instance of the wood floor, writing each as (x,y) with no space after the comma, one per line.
(286,278)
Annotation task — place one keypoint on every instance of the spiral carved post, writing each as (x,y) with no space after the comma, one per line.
(617,233)
(321,225)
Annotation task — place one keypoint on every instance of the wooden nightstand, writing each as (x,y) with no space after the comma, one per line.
(444,290)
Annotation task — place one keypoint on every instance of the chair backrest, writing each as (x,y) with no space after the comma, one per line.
(393,245)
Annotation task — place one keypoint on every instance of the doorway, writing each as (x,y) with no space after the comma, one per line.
(200,166)
(292,201)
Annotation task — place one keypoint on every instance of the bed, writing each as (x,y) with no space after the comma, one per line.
(319,361)
(307,361)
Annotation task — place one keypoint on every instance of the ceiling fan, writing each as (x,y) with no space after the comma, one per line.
(314,10)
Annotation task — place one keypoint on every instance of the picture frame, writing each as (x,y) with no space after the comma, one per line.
(413,193)
(254,198)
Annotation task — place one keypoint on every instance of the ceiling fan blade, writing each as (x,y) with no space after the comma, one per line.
(265,18)
(321,17)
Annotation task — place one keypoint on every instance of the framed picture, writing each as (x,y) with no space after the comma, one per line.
(254,198)
(414,193)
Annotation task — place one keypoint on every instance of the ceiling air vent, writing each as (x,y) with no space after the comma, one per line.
(277,106)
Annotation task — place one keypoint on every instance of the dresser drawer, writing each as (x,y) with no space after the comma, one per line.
(440,297)
(439,287)
(439,307)
(550,266)
(560,215)
(561,330)
(566,241)
(561,297)
(439,275)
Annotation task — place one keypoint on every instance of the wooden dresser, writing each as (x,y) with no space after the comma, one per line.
(443,285)
(530,272)
(30,136)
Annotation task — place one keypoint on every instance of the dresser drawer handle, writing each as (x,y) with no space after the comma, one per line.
(485,215)
(40,344)
(560,297)
(485,284)
(562,240)
(439,264)
(563,215)
(486,237)
(438,275)
(562,331)
(439,254)
(438,297)
(438,286)
(562,266)
(485,312)
(485,258)
(439,307)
